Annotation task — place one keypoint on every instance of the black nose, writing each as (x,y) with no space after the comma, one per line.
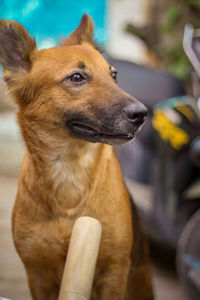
(135,113)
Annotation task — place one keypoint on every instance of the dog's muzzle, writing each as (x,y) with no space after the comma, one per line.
(113,125)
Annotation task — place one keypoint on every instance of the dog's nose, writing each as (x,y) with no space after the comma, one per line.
(135,113)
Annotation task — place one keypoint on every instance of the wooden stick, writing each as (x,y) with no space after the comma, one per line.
(81,260)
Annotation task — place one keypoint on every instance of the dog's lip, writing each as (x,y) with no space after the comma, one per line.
(79,127)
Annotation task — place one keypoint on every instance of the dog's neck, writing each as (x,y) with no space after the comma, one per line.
(70,169)
(64,169)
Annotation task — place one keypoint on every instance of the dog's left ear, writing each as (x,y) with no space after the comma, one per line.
(83,33)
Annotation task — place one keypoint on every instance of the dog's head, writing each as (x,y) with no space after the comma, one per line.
(70,89)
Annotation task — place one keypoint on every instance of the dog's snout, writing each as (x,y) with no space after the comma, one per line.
(135,113)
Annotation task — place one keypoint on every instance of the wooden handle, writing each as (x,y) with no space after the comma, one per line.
(81,260)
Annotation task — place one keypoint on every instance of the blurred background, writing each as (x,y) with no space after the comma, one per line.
(143,39)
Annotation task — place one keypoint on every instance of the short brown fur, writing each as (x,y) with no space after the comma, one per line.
(63,177)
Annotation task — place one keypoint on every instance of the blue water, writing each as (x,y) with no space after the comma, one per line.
(51,20)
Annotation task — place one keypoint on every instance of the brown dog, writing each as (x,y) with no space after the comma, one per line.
(70,112)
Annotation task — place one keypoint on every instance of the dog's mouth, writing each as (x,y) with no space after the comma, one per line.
(91,133)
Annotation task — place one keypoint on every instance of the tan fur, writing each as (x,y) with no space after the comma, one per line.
(63,177)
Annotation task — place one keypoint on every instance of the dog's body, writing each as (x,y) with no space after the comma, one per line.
(70,109)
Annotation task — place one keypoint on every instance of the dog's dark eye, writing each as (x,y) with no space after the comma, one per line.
(114,75)
(77,77)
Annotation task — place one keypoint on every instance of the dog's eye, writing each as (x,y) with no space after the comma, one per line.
(114,75)
(77,77)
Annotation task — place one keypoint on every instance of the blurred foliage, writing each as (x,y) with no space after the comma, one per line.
(164,34)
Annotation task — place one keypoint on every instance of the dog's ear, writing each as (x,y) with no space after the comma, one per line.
(16,47)
(83,33)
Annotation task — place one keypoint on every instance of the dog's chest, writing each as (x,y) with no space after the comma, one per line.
(47,244)
(44,245)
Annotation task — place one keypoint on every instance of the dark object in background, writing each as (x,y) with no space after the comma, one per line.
(164,158)
(188,256)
